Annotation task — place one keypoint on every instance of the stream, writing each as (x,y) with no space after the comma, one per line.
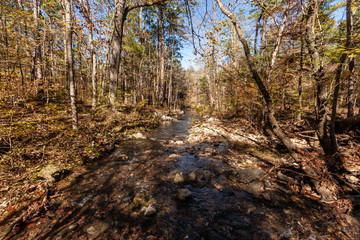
(164,187)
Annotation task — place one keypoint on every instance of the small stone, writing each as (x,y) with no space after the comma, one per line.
(267,184)
(96,229)
(150,210)
(213,119)
(91,230)
(192,176)
(179,178)
(207,175)
(184,194)
(119,156)
(267,196)
(174,155)
(255,187)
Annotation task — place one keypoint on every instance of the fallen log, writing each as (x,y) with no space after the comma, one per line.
(347,124)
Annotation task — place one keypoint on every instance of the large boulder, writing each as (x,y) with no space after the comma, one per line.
(53,173)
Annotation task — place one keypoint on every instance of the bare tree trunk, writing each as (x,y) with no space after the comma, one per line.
(263,35)
(93,79)
(301,67)
(162,52)
(278,39)
(87,14)
(170,102)
(37,51)
(65,57)
(318,74)
(351,80)
(69,63)
(119,19)
(257,32)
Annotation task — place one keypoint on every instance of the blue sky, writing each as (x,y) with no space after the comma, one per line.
(188,56)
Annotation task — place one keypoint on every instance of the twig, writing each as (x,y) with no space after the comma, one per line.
(306,136)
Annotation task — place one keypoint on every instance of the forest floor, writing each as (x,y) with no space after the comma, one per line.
(189,179)
(36,138)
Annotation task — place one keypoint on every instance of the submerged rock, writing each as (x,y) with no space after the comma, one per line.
(119,156)
(184,194)
(96,229)
(142,198)
(192,176)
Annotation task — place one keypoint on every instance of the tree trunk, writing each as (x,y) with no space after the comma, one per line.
(87,14)
(256,33)
(263,36)
(318,75)
(37,51)
(351,80)
(93,66)
(348,45)
(119,20)
(69,63)
(301,67)
(278,40)
(162,52)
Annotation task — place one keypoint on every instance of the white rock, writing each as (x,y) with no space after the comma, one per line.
(138,136)
(150,210)
(213,120)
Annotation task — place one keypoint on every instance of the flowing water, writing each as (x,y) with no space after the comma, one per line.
(134,194)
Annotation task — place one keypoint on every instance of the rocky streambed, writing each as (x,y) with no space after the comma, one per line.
(186,181)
